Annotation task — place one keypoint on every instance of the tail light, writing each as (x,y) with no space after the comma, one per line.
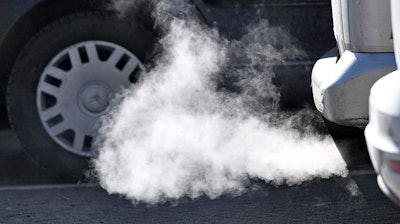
(394,165)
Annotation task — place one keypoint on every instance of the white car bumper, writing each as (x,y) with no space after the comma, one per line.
(383,133)
(341,87)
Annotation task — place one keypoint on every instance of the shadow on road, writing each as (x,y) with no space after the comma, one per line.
(351,144)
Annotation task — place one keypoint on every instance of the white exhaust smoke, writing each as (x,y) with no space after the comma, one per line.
(176,135)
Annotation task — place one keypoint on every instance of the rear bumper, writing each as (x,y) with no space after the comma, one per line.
(382,134)
(388,180)
(341,87)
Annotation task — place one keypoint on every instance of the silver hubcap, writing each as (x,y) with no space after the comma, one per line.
(76,87)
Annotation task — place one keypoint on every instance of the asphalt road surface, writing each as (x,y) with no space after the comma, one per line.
(29,194)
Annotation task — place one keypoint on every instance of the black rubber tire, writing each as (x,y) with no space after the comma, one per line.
(24,78)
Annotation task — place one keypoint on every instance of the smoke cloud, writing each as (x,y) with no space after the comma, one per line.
(179,134)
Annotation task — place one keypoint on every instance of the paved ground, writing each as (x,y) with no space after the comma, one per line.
(323,201)
(29,194)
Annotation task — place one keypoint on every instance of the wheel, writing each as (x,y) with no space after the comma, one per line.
(63,81)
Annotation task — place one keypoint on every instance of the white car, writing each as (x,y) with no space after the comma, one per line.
(383,131)
(342,78)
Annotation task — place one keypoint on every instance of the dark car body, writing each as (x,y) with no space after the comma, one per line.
(307,21)
(293,26)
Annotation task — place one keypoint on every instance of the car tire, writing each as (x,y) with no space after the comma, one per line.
(80,47)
